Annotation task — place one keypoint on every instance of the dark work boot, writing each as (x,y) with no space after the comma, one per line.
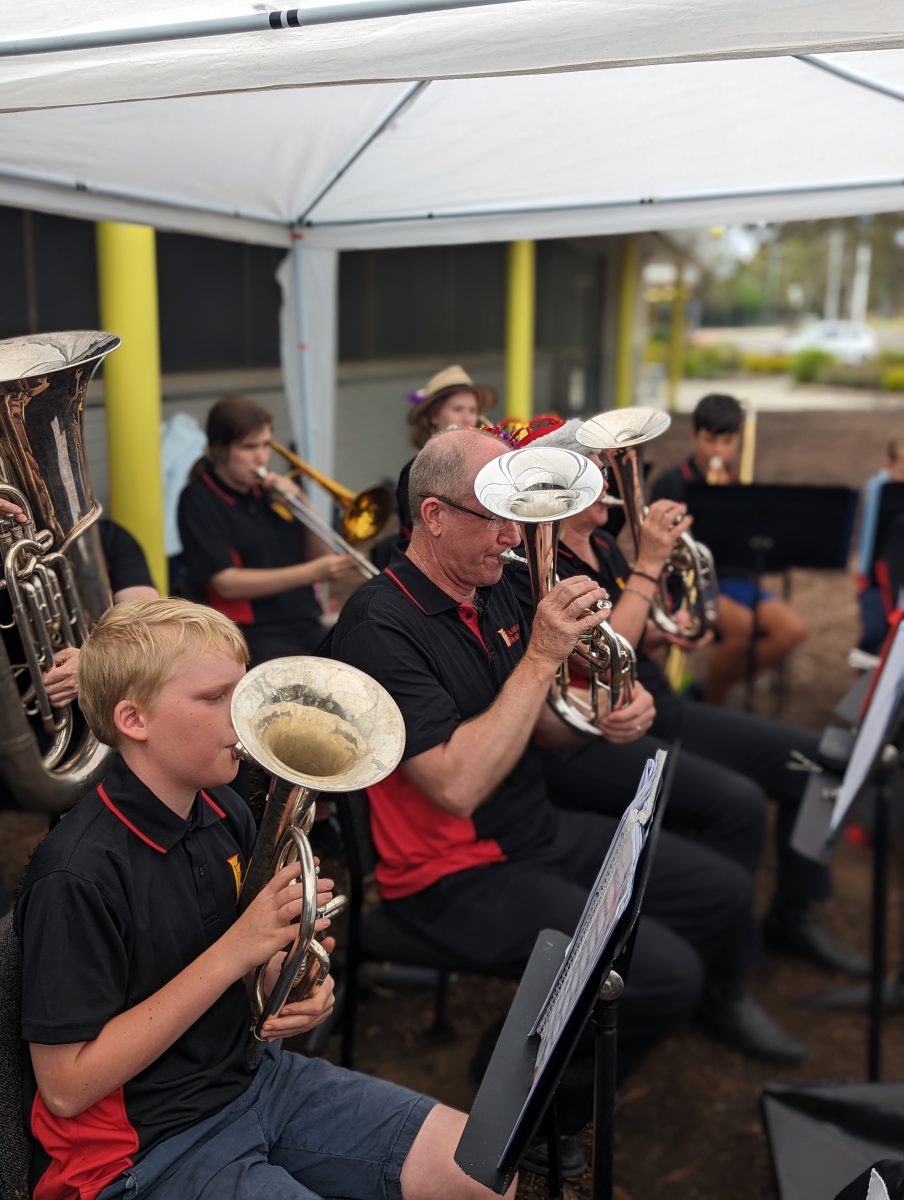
(572,1158)
(798,932)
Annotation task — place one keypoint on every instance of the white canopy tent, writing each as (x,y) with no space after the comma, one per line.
(540,118)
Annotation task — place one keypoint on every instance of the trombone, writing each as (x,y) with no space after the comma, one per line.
(365,513)
(322,529)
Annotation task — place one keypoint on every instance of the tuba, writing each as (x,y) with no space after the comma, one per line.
(617,434)
(313,725)
(54,583)
(538,488)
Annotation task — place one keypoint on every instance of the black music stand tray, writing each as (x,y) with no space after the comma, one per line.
(841,1127)
(511,1104)
(761,528)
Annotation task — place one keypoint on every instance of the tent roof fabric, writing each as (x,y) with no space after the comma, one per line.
(543,118)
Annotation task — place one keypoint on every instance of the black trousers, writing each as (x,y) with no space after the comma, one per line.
(730,765)
(695,904)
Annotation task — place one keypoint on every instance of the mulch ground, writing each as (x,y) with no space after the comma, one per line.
(688,1125)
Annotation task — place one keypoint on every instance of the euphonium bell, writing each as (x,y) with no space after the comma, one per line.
(53,585)
(617,434)
(538,487)
(314,725)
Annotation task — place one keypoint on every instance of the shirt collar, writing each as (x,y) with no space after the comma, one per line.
(225,492)
(133,803)
(428,596)
(695,472)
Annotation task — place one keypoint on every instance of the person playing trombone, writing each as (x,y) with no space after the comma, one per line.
(244,558)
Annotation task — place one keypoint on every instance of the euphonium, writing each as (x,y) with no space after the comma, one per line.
(54,581)
(617,434)
(313,725)
(539,488)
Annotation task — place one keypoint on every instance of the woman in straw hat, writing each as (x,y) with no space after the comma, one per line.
(450,397)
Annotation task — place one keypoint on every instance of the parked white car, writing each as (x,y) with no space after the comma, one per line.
(846,341)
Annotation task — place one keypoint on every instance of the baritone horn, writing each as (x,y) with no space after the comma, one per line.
(617,434)
(539,488)
(53,585)
(314,725)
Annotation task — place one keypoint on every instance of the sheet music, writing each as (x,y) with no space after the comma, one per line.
(874,732)
(606,902)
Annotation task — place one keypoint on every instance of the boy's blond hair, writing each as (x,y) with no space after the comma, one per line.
(136,648)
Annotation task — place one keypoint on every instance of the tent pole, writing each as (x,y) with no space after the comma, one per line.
(301,347)
(290,18)
(519,330)
(676,339)
(127,283)
(627,316)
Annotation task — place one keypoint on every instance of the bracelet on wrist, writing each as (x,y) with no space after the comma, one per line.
(644,575)
(637,592)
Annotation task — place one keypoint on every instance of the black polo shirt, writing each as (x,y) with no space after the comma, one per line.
(673,484)
(222,528)
(613,576)
(126,564)
(118,899)
(443,663)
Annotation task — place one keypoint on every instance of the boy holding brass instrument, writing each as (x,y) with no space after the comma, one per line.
(134,961)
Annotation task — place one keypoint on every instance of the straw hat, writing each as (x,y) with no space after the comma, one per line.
(445,383)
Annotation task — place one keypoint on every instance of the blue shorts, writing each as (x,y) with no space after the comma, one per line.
(303,1130)
(742,591)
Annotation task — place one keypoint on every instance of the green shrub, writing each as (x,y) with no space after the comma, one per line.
(765,364)
(709,362)
(806,365)
(893,379)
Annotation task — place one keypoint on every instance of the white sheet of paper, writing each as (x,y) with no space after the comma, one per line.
(873,733)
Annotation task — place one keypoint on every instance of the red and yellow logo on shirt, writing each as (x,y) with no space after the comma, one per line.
(510,635)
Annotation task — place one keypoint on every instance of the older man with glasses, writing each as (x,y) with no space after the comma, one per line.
(472,854)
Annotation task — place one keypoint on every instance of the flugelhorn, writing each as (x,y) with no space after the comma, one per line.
(617,434)
(314,725)
(540,487)
(53,585)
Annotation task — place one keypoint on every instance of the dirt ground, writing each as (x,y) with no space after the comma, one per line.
(688,1124)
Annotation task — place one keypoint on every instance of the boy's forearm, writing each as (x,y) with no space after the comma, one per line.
(72,1078)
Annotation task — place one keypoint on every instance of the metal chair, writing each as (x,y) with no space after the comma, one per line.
(15,1152)
(375,937)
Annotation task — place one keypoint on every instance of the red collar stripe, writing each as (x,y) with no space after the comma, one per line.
(395,579)
(125,820)
(216,489)
(213,804)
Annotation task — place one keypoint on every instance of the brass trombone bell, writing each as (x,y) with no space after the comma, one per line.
(365,512)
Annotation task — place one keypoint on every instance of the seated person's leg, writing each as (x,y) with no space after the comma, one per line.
(873,620)
(780,629)
(728,664)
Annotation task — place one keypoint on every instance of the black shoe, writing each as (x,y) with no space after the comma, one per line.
(745,1025)
(800,934)
(572,1159)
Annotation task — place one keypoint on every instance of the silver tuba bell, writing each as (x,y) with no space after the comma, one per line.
(314,725)
(540,487)
(54,583)
(617,434)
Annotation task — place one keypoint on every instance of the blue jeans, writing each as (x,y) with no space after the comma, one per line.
(303,1130)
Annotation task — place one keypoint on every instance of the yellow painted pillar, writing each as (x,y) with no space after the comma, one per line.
(676,342)
(127,282)
(519,331)
(627,316)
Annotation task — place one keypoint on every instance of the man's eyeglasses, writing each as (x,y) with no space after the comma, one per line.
(492,522)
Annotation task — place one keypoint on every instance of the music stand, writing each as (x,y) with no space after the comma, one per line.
(565,983)
(873,760)
(759,528)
